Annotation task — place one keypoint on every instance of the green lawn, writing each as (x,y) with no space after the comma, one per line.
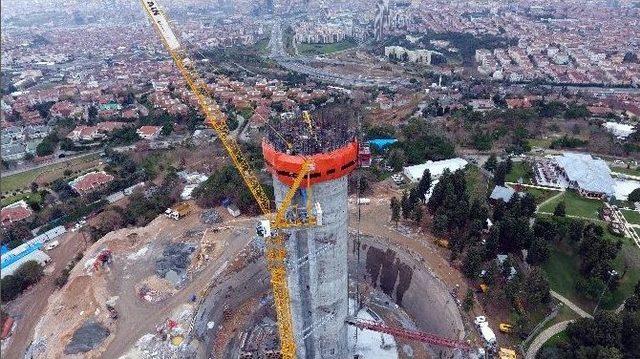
(629,257)
(632,217)
(556,340)
(22,181)
(563,272)
(539,142)
(575,205)
(477,185)
(629,171)
(29,197)
(539,194)
(319,49)
(519,170)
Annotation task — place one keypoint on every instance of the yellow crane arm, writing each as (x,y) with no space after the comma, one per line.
(207,105)
(275,245)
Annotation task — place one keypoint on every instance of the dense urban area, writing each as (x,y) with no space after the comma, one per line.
(320,179)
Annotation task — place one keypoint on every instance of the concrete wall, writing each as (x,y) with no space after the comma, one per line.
(409,282)
(318,274)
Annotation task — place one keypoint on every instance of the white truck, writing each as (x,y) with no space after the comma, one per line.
(52,245)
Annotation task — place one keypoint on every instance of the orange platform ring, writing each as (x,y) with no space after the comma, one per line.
(327,166)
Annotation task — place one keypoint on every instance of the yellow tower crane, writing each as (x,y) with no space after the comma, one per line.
(271,228)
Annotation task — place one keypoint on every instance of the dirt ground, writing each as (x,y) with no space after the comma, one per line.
(28,308)
(134,251)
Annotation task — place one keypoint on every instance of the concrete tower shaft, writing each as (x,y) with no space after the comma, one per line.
(317,256)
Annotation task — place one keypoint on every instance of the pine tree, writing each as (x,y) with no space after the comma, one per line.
(395,210)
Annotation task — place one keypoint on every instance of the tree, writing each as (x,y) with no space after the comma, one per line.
(440,224)
(232,123)
(538,252)
(14,284)
(560,210)
(167,129)
(472,262)
(46,147)
(34,187)
(527,205)
(500,174)
(406,205)
(395,210)
(491,163)
(634,196)
(11,287)
(417,214)
(29,272)
(396,159)
(467,304)
(424,185)
(537,287)
(92,113)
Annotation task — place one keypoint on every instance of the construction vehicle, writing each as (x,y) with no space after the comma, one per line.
(506,328)
(102,259)
(441,242)
(484,288)
(505,353)
(178,211)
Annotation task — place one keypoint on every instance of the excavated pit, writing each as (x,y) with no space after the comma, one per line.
(400,275)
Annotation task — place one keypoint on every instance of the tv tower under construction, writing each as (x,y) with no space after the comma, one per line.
(317,263)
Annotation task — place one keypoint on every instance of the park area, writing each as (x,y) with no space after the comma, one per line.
(576,206)
(633,217)
(563,271)
(520,170)
(18,186)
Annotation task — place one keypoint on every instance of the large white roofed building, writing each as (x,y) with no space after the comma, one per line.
(589,176)
(436,168)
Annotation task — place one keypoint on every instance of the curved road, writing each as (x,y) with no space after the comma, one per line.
(544,336)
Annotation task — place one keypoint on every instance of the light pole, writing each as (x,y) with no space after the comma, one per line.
(612,273)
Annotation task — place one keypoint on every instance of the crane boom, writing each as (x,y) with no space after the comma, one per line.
(275,251)
(207,105)
(408,334)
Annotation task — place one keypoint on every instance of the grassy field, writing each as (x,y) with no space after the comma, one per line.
(319,49)
(520,170)
(556,340)
(29,197)
(628,171)
(539,194)
(563,270)
(632,217)
(477,186)
(575,205)
(45,175)
(539,142)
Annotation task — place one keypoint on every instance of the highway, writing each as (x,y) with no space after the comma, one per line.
(299,64)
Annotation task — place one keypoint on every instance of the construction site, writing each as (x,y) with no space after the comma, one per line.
(306,279)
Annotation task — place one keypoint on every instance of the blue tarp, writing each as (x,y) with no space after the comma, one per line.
(4,249)
(9,259)
(382,143)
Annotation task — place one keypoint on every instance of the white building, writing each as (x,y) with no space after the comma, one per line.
(591,177)
(436,168)
(37,255)
(418,56)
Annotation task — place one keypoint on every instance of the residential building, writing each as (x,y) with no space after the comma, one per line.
(90,182)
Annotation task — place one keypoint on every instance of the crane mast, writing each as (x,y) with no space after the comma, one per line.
(275,251)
